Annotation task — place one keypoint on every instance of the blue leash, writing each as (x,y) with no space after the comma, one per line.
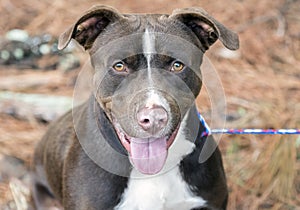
(209,131)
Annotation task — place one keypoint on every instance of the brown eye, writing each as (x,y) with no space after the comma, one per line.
(177,66)
(119,67)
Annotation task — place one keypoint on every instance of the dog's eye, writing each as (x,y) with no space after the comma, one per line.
(177,66)
(120,66)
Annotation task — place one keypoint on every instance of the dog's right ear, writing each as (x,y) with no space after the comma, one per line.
(89,26)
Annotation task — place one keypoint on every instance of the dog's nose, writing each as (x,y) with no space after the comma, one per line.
(153,119)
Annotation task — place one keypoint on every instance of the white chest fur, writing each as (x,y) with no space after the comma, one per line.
(167,191)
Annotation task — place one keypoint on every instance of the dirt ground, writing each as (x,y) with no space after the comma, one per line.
(261,82)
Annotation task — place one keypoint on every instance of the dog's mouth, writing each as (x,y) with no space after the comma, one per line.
(148,155)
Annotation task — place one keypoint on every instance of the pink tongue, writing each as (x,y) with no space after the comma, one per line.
(149,155)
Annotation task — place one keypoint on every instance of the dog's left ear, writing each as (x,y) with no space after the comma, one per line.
(206,28)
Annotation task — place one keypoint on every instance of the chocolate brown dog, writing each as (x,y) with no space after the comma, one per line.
(135,144)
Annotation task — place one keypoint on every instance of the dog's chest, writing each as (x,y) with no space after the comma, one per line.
(163,192)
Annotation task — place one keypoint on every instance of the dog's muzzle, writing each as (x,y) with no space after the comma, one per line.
(146,128)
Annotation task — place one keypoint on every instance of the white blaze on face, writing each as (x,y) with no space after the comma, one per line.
(148,42)
(154,99)
(148,50)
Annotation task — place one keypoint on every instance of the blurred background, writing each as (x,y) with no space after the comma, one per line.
(261,82)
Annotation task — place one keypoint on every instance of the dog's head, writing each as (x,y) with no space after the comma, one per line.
(147,72)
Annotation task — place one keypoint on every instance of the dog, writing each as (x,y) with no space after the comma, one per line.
(135,143)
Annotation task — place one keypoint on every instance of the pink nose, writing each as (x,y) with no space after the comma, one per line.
(152,120)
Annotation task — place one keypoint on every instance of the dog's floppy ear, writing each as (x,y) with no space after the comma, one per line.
(89,26)
(206,28)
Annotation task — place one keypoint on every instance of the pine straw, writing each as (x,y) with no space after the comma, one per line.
(267,175)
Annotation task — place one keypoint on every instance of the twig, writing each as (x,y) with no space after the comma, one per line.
(264,196)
